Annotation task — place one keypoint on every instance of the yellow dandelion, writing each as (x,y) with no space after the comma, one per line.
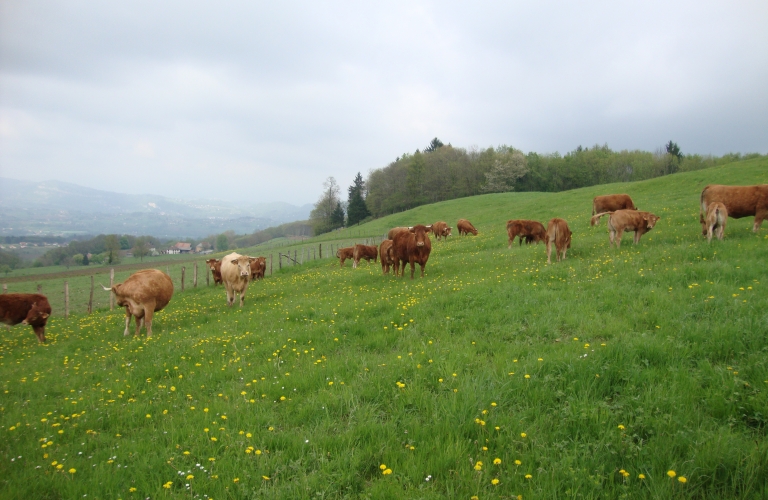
(682,479)
(494,481)
(671,473)
(523,435)
(73,470)
(528,476)
(518,462)
(641,476)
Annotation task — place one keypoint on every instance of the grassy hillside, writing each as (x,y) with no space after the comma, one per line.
(496,376)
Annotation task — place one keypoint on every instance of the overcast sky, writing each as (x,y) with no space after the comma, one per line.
(262,101)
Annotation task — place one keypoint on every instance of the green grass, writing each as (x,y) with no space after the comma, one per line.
(647,359)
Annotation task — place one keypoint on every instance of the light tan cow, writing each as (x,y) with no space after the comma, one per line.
(717,215)
(143,294)
(559,234)
(627,220)
(236,273)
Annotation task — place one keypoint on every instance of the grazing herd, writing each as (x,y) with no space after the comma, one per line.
(148,291)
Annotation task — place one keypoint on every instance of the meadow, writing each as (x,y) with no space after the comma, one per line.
(632,373)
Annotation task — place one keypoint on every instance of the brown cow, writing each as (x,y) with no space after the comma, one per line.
(215,267)
(364,252)
(236,273)
(387,255)
(465,227)
(739,201)
(143,294)
(344,254)
(30,309)
(392,232)
(441,229)
(258,268)
(627,220)
(531,230)
(717,216)
(611,203)
(559,234)
(411,246)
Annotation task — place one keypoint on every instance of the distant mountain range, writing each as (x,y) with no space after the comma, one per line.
(61,208)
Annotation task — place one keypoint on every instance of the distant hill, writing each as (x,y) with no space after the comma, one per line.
(55,207)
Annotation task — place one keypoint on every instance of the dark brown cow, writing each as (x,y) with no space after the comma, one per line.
(532,231)
(739,201)
(627,220)
(143,294)
(387,255)
(441,229)
(30,309)
(717,215)
(392,232)
(559,234)
(215,267)
(258,268)
(364,252)
(611,203)
(465,227)
(412,246)
(344,254)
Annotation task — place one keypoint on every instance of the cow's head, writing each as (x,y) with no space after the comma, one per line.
(37,315)
(243,264)
(447,231)
(421,234)
(650,220)
(212,264)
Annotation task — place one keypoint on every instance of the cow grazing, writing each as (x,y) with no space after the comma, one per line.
(30,309)
(386,253)
(739,201)
(559,234)
(215,267)
(441,230)
(392,232)
(611,203)
(717,215)
(412,246)
(236,273)
(143,294)
(532,231)
(366,252)
(345,253)
(627,220)
(465,227)
(258,268)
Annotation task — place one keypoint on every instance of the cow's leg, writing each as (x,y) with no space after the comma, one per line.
(565,249)
(242,298)
(638,234)
(230,294)
(709,233)
(422,268)
(720,230)
(549,250)
(413,266)
(40,332)
(760,215)
(127,320)
(619,232)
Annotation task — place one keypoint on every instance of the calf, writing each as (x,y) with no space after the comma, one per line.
(611,203)
(143,294)
(215,267)
(30,309)
(344,254)
(412,246)
(559,234)
(627,220)
(465,227)
(717,216)
(441,229)
(739,201)
(258,268)
(364,252)
(387,255)
(532,231)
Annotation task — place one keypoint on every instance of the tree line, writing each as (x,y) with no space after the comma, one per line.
(442,172)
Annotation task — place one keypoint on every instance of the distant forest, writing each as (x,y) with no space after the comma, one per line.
(443,172)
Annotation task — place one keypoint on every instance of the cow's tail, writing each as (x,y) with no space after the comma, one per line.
(337,252)
(595,220)
(703,203)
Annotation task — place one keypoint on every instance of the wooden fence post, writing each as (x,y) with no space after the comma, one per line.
(5,288)
(39,288)
(111,283)
(90,298)
(270,264)
(194,280)
(66,299)
(294,257)
(320,250)
(279,261)
(183,269)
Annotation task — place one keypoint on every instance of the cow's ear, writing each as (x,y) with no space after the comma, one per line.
(234,262)
(411,229)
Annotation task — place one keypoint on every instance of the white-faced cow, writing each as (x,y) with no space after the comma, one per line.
(412,246)
(236,273)
(142,294)
(441,230)
(30,309)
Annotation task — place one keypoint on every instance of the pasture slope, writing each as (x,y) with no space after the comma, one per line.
(496,376)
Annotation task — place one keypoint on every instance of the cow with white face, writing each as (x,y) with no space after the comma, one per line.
(236,273)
